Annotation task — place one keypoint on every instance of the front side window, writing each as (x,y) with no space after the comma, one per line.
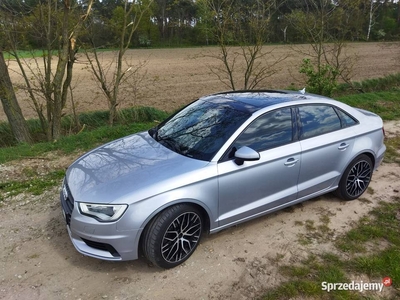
(270,130)
(317,119)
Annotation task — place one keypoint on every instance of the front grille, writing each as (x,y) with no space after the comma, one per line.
(101,246)
(67,202)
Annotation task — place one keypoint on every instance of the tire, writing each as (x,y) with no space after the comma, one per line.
(173,235)
(355,179)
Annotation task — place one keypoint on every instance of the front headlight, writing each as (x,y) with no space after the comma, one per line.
(102,212)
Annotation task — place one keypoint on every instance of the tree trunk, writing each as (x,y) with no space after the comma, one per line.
(371,14)
(398,13)
(11,107)
(60,83)
(284,34)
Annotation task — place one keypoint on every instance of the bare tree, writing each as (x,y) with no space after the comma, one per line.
(240,30)
(56,25)
(132,13)
(11,107)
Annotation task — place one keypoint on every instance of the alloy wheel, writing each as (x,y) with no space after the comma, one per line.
(181,237)
(358,178)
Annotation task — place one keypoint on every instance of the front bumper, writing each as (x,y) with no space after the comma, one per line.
(96,239)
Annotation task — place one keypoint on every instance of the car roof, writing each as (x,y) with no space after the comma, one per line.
(254,100)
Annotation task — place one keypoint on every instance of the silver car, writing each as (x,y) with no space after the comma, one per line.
(222,160)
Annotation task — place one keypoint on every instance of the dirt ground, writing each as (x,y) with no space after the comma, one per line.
(38,261)
(171,78)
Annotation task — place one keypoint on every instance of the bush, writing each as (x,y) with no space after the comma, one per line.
(320,80)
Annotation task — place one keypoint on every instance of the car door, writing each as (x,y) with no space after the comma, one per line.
(256,186)
(326,142)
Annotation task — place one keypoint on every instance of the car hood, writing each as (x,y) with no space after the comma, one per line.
(128,170)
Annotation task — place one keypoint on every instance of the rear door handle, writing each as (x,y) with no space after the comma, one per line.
(291,162)
(343,146)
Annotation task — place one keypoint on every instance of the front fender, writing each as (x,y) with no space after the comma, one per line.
(203,193)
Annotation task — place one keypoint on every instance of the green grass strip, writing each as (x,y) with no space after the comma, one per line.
(68,144)
(385,104)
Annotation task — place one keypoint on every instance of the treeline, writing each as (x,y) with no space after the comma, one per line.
(191,22)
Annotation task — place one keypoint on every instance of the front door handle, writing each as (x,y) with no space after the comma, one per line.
(291,162)
(343,146)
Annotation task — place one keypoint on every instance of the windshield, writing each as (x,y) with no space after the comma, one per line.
(200,129)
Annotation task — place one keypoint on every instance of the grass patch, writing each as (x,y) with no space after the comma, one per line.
(364,200)
(381,226)
(309,225)
(39,53)
(277,258)
(90,121)
(392,150)
(324,219)
(385,104)
(27,54)
(314,232)
(380,265)
(386,83)
(304,239)
(306,279)
(370,190)
(93,120)
(68,144)
(298,223)
(36,185)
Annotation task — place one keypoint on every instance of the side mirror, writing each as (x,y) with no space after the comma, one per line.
(246,154)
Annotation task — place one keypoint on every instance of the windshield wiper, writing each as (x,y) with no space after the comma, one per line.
(154,133)
(170,143)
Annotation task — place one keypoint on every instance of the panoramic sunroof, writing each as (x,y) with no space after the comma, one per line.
(252,101)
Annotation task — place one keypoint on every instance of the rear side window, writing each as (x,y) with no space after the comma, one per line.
(317,119)
(347,120)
